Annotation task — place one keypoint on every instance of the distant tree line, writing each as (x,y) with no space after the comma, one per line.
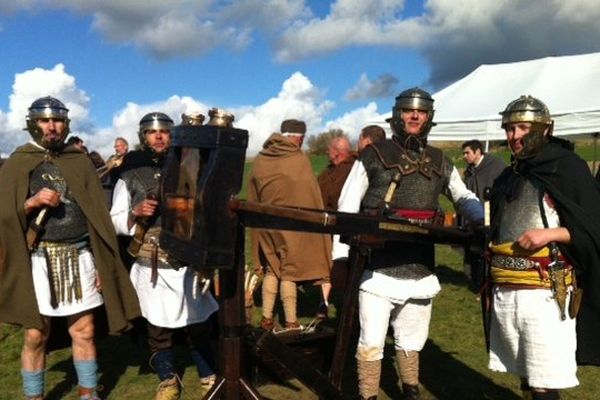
(317,144)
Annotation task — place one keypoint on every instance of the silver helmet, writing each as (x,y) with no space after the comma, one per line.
(152,121)
(529,109)
(46,108)
(412,99)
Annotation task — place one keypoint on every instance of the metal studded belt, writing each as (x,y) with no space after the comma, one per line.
(523,263)
(510,262)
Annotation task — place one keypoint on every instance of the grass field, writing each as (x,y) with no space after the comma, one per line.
(453,362)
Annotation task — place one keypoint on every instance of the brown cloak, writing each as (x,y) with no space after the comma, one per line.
(332,179)
(18,304)
(282,175)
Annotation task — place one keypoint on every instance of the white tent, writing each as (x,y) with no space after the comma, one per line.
(569,85)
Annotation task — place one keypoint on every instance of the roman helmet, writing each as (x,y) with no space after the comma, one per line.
(47,107)
(412,99)
(152,121)
(529,109)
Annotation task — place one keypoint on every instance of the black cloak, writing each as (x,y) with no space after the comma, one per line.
(568,180)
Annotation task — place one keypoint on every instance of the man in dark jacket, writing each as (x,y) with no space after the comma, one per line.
(482,168)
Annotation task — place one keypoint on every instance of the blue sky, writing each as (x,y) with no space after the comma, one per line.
(336,64)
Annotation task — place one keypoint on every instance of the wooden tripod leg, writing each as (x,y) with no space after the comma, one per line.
(232,320)
(248,391)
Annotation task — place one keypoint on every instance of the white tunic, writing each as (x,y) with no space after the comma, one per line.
(91,298)
(527,336)
(172,302)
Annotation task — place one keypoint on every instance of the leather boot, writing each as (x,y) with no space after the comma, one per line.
(410,392)
(526,391)
(88,393)
(168,389)
(547,395)
(163,364)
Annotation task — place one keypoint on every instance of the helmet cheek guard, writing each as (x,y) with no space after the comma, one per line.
(532,110)
(412,99)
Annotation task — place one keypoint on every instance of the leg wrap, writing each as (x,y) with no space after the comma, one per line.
(289,295)
(86,373)
(269,294)
(408,366)
(163,364)
(204,360)
(33,383)
(369,373)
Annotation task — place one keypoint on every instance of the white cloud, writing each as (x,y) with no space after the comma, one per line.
(33,84)
(199,26)
(352,122)
(382,86)
(298,98)
(126,121)
(454,37)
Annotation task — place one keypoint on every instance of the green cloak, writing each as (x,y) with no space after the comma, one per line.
(18,304)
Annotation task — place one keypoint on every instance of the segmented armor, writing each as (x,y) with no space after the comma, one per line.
(423,177)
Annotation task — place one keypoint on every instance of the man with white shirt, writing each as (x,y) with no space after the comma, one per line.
(399,282)
(170,294)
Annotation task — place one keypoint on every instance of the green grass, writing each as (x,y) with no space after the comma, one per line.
(453,362)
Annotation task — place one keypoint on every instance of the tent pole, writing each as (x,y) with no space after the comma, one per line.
(595,148)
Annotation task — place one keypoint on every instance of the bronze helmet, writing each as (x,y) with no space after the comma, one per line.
(529,109)
(412,99)
(47,107)
(151,121)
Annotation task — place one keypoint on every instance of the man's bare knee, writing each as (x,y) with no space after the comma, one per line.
(81,328)
(83,332)
(34,339)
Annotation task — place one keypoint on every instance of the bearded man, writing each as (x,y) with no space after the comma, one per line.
(60,252)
